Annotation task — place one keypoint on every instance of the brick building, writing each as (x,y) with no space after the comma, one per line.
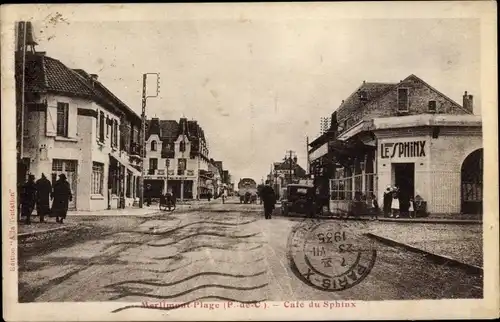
(406,134)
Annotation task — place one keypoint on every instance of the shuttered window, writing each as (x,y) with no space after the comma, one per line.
(97,178)
(403,102)
(101,127)
(62,119)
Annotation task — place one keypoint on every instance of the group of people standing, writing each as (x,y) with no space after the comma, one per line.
(397,203)
(38,194)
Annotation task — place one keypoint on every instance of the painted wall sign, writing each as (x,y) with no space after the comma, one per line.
(415,149)
(321,151)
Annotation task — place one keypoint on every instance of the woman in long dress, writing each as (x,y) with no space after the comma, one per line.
(395,203)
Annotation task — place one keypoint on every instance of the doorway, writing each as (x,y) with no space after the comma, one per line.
(404,179)
(69,168)
(472,183)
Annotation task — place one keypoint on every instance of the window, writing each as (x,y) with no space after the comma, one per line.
(153,145)
(101,127)
(115,133)
(97,178)
(432,106)
(363,96)
(153,163)
(182,146)
(62,119)
(181,167)
(403,101)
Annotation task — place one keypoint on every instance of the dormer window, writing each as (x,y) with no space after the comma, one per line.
(182,146)
(363,96)
(403,100)
(432,106)
(153,145)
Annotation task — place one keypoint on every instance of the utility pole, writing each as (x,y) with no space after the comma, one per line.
(308,161)
(290,160)
(142,136)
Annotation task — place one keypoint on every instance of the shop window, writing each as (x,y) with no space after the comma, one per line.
(432,106)
(62,119)
(97,178)
(403,100)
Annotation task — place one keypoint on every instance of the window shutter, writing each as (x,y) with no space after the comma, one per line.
(51,121)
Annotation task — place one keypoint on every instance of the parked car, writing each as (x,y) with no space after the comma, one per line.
(299,199)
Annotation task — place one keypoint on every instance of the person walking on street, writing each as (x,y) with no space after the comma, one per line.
(61,197)
(44,192)
(209,195)
(28,198)
(147,194)
(269,200)
(224,196)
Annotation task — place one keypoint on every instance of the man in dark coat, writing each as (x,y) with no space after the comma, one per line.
(28,198)
(269,199)
(61,197)
(387,201)
(147,194)
(44,192)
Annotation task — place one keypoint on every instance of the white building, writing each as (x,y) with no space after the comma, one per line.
(177,159)
(74,125)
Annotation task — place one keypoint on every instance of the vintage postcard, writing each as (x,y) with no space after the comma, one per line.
(250,161)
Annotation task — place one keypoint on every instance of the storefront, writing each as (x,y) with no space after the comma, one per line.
(439,158)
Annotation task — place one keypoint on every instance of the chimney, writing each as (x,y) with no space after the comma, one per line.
(94,76)
(468,102)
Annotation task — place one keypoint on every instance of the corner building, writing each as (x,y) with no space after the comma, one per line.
(406,134)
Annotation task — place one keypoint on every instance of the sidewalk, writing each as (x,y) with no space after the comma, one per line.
(76,218)
(461,243)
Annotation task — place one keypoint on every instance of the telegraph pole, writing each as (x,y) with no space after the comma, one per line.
(307,151)
(142,136)
(290,153)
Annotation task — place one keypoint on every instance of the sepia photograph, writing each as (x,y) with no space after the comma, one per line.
(250,161)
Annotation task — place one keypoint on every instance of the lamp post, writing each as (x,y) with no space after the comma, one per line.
(142,138)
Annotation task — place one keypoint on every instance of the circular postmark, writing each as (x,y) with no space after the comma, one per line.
(330,255)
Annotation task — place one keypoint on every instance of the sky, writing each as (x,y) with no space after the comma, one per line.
(258,88)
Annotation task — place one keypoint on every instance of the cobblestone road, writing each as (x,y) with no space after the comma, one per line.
(217,252)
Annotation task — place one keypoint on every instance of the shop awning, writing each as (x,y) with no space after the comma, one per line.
(127,165)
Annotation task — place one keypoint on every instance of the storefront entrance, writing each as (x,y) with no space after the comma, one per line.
(472,183)
(404,178)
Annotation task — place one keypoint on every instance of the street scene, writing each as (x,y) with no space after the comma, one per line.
(247,162)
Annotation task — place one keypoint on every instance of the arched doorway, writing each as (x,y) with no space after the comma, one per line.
(472,183)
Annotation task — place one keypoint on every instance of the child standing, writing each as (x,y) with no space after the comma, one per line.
(411,210)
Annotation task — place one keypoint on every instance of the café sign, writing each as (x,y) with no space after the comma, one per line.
(413,149)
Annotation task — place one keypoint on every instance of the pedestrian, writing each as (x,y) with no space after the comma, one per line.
(44,192)
(375,208)
(148,193)
(61,197)
(269,199)
(387,201)
(395,203)
(224,195)
(28,198)
(209,195)
(411,209)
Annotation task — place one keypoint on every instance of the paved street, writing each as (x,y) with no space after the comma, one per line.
(218,252)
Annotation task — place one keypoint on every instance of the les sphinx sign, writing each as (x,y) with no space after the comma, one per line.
(414,149)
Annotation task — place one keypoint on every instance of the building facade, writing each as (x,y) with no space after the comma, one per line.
(74,125)
(407,135)
(286,172)
(177,158)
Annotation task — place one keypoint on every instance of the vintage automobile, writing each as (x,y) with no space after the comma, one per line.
(299,199)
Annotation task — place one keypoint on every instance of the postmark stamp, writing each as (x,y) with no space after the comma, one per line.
(330,255)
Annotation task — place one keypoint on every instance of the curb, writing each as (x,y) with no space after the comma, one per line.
(435,221)
(40,232)
(439,259)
